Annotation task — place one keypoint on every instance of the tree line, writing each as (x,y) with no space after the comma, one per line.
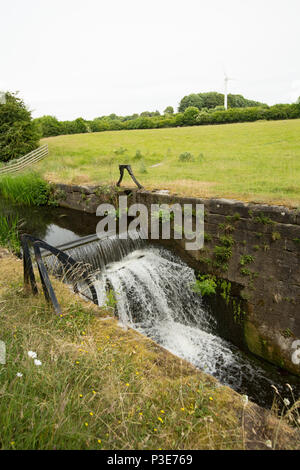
(191,116)
(20,134)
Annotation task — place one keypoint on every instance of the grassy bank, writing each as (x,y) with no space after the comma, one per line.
(27,188)
(101,387)
(251,161)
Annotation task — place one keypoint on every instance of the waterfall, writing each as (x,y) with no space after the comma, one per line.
(152,289)
(98,253)
(153,295)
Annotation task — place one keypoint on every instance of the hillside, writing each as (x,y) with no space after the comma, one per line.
(249,161)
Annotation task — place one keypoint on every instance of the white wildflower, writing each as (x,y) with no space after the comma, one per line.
(19,374)
(32,354)
(245,399)
(37,362)
(286,401)
(269,444)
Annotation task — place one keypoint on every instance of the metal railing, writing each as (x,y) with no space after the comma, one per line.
(122,168)
(29,159)
(68,263)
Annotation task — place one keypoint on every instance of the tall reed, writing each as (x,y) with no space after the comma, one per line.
(26,188)
(9,232)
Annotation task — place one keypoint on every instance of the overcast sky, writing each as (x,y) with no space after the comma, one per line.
(89,58)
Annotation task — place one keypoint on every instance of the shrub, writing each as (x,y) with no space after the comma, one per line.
(49,126)
(190,116)
(186,157)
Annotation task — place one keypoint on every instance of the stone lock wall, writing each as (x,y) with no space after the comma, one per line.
(252,249)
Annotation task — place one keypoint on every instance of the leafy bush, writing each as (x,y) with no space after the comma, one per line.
(49,126)
(18,133)
(190,116)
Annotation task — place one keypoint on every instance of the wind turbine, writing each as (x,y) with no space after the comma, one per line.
(226,80)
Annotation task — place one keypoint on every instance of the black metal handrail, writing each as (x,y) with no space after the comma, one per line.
(69,263)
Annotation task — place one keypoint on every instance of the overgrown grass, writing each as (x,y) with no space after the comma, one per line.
(27,188)
(102,387)
(257,161)
(9,232)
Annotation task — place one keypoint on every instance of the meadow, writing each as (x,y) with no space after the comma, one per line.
(257,161)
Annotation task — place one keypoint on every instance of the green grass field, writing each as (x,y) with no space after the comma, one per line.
(251,161)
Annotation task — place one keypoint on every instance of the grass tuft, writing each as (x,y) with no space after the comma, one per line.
(25,188)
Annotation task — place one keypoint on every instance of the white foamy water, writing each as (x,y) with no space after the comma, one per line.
(153,292)
(152,288)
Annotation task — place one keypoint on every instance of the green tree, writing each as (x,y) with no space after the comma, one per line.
(190,100)
(49,126)
(190,115)
(212,99)
(169,110)
(18,133)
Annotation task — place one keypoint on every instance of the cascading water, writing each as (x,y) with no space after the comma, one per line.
(98,253)
(153,292)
